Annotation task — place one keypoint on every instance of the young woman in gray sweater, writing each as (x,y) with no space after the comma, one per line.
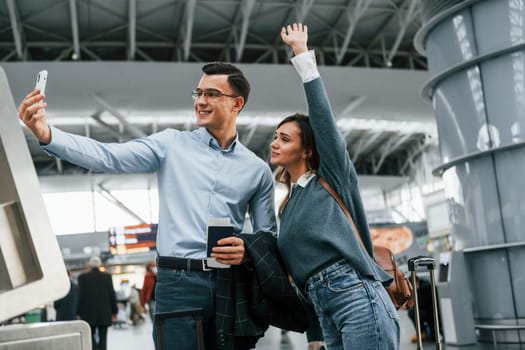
(316,240)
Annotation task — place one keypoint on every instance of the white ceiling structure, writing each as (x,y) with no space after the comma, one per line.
(121,69)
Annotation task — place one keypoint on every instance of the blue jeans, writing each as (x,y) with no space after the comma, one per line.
(179,290)
(355,312)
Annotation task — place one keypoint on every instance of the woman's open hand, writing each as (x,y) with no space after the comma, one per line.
(296,36)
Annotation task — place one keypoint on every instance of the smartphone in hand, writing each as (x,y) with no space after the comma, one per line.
(215,232)
(41,80)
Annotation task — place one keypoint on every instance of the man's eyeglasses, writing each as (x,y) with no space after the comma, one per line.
(209,93)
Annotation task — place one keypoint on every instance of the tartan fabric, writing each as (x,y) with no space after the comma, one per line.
(255,295)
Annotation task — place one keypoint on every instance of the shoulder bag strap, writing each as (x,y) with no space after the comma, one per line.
(339,201)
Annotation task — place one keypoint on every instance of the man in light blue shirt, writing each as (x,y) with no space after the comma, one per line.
(202,174)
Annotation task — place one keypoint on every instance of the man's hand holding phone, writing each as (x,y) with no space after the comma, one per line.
(229,251)
(223,249)
(32,110)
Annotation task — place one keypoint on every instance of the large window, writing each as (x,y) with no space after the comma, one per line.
(90,211)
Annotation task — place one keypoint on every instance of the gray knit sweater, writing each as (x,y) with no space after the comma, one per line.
(314,231)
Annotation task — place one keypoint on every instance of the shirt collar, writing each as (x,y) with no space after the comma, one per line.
(303,180)
(211,141)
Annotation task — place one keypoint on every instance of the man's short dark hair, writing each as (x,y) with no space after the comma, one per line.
(236,78)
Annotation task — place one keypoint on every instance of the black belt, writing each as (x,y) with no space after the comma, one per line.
(183,264)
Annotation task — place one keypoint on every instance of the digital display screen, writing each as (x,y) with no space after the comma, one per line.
(133,239)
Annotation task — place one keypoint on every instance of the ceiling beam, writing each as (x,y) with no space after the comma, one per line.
(58,37)
(190,12)
(246,11)
(90,53)
(390,147)
(60,166)
(105,9)
(132,29)
(199,45)
(109,128)
(144,55)
(65,53)
(74,29)
(9,55)
(15,27)
(155,34)
(115,29)
(302,9)
(133,130)
(413,155)
(379,31)
(111,198)
(353,103)
(364,144)
(354,15)
(252,129)
(162,8)
(404,23)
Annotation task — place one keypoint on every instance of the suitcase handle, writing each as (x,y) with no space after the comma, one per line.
(197,313)
(430,264)
(421,261)
(198,316)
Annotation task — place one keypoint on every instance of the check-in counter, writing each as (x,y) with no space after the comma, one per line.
(70,335)
(32,270)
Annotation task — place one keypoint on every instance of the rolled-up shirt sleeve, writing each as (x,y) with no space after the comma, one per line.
(306,66)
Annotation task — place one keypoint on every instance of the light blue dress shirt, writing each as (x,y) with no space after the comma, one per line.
(197,180)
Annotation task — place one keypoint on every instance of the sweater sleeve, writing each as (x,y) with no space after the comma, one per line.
(335,164)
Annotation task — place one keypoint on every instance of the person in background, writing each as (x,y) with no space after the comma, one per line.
(147,293)
(136,310)
(202,174)
(316,240)
(66,308)
(97,303)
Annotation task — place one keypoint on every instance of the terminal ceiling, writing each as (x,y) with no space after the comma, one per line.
(124,68)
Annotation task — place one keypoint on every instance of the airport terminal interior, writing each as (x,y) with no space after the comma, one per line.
(429,96)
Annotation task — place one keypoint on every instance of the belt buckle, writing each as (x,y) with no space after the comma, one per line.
(205,265)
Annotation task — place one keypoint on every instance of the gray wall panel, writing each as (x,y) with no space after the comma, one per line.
(505,98)
(446,46)
(510,167)
(476,219)
(460,114)
(490,36)
(517,263)
(489,270)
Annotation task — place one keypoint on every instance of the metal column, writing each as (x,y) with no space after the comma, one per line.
(476,59)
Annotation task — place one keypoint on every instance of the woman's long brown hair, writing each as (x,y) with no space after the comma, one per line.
(308,143)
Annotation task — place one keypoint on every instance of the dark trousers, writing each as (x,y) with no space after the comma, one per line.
(99,333)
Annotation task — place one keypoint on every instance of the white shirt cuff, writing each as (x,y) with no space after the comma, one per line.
(306,66)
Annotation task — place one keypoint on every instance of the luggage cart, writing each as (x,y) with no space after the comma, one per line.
(198,316)
(414,265)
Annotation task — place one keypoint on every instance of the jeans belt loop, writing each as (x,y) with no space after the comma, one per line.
(188,266)
(205,265)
